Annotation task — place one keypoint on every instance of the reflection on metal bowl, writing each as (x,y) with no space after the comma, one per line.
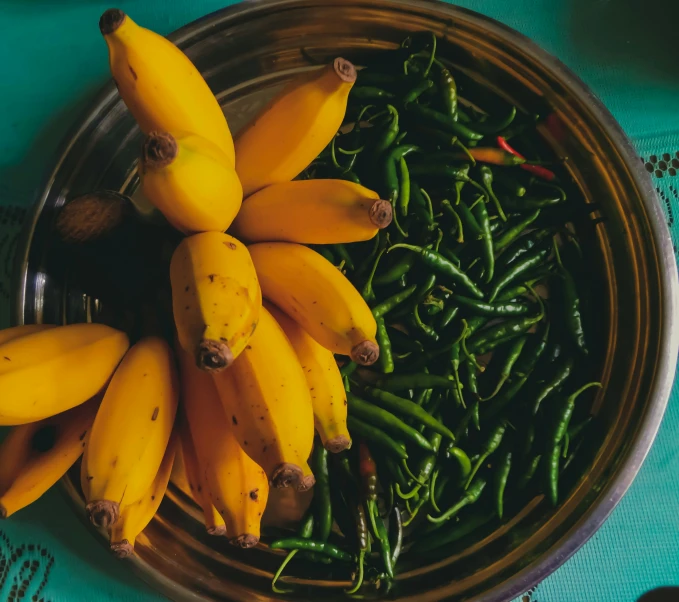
(248,51)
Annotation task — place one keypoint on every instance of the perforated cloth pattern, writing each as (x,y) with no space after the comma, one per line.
(53,60)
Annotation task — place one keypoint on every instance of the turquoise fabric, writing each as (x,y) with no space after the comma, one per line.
(53,60)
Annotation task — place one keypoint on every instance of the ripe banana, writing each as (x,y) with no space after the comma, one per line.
(35,456)
(131,431)
(294,127)
(197,484)
(160,85)
(312,212)
(312,291)
(16,332)
(216,298)
(323,377)
(134,517)
(267,402)
(189,180)
(52,370)
(238,487)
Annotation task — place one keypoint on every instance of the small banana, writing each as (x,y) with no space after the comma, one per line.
(323,377)
(197,484)
(312,291)
(160,85)
(294,127)
(215,296)
(238,487)
(190,181)
(135,517)
(267,402)
(16,332)
(131,431)
(52,370)
(35,456)
(314,212)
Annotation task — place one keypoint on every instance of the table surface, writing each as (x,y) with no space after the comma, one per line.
(53,61)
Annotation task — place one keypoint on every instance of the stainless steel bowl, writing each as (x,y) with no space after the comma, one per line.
(246,52)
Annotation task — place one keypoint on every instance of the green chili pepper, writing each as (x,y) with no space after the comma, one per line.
(571,303)
(320,547)
(441,120)
(421,207)
(368,293)
(519,268)
(529,472)
(533,352)
(383,539)
(404,382)
(390,176)
(416,91)
(489,447)
(513,232)
(395,471)
(396,535)
(500,477)
(502,331)
(348,368)
(471,380)
(386,357)
(394,301)
(456,532)
(343,254)
(563,418)
(369,432)
(575,430)
(461,458)
(448,315)
(459,226)
(385,421)
(481,215)
(370,93)
(522,246)
(396,271)
(441,265)
(558,378)
(305,531)
(487,181)
(446,171)
(428,331)
(390,133)
(527,203)
(469,221)
(470,496)
(408,408)
(327,254)
(322,502)
(448,90)
(493,309)
(510,360)
(404,191)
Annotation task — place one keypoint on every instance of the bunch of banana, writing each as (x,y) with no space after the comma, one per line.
(134,517)
(238,487)
(268,405)
(313,292)
(189,180)
(131,431)
(35,456)
(324,380)
(313,212)
(79,357)
(216,298)
(294,127)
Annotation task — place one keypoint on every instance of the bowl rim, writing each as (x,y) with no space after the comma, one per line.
(668,345)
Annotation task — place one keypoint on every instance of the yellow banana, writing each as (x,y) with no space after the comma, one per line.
(35,456)
(267,401)
(238,486)
(215,296)
(314,212)
(160,85)
(328,397)
(16,332)
(131,431)
(135,517)
(197,484)
(190,181)
(50,371)
(312,291)
(294,127)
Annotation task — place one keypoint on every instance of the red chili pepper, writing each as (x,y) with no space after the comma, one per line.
(538,170)
(495,156)
(368,471)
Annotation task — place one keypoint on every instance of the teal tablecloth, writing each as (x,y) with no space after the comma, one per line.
(52,61)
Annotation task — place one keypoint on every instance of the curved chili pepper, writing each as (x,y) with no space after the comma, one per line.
(522,246)
(448,315)
(462,459)
(563,418)
(416,91)
(408,408)
(390,133)
(512,233)
(443,121)
(558,378)
(440,264)
(424,498)
(320,547)
(322,503)
(519,269)
(396,271)
(490,446)
(386,357)
(471,380)
(417,380)
(490,126)
(538,170)
(421,207)
(404,190)
(533,352)
(459,226)
(500,477)
(470,496)
(487,181)
(481,215)
(369,432)
(571,303)
(382,538)
(428,331)
(305,531)
(385,421)
(444,170)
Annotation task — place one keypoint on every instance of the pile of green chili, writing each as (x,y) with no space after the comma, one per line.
(478,401)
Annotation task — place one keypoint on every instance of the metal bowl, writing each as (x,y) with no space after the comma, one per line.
(246,52)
